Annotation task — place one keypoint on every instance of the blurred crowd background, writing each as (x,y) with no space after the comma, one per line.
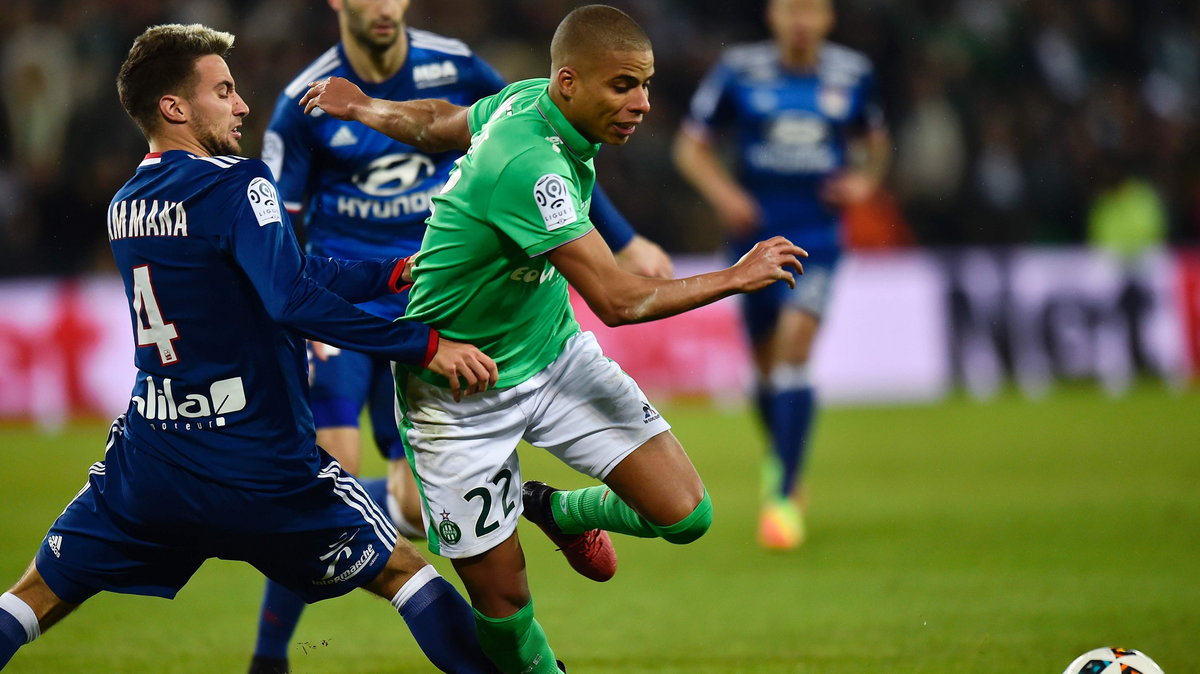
(1013,121)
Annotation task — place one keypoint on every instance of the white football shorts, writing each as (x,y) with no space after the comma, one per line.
(581,408)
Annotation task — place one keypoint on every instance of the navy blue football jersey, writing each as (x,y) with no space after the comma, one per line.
(791,130)
(362,193)
(221,300)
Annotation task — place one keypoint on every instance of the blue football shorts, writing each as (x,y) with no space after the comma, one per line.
(341,385)
(760,310)
(143,526)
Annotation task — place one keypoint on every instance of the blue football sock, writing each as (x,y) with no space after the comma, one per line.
(376,488)
(791,419)
(281,609)
(14,632)
(442,623)
(12,637)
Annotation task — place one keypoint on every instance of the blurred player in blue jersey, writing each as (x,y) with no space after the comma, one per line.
(809,139)
(360,194)
(216,453)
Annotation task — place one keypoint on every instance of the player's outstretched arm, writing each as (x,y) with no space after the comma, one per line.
(697,161)
(618,297)
(429,124)
(462,363)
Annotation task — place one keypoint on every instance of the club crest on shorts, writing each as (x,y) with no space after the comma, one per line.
(448,530)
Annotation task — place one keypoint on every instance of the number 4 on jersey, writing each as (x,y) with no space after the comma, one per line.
(154,332)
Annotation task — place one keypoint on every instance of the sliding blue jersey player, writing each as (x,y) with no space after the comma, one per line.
(358,193)
(793,106)
(216,455)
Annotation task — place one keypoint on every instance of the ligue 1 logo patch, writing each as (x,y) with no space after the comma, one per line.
(448,530)
(263,201)
(554,201)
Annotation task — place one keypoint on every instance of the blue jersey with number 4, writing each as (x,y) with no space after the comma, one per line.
(791,129)
(220,301)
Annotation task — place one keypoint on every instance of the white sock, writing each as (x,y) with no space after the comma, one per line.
(418,581)
(406,528)
(786,377)
(12,605)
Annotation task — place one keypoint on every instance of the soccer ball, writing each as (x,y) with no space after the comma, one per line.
(1113,661)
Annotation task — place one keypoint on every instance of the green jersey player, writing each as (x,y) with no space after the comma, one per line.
(507,235)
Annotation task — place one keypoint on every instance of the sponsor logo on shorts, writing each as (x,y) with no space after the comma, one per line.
(448,531)
(649,413)
(55,543)
(342,549)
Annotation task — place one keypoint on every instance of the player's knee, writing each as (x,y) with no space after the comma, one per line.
(691,527)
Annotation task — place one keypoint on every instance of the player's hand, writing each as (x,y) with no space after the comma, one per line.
(335,95)
(847,187)
(406,273)
(643,257)
(462,363)
(767,262)
(739,212)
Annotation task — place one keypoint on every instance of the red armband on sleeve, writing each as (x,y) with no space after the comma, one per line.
(396,280)
(431,348)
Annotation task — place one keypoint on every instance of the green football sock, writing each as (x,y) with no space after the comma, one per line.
(597,507)
(516,644)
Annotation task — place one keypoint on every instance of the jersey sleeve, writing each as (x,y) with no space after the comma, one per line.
(537,204)
(611,224)
(287,150)
(712,104)
(264,246)
(484,108)
(356,280)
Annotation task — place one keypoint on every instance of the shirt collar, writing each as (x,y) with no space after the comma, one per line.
(571,138)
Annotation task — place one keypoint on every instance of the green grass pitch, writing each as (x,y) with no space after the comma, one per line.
(959,537)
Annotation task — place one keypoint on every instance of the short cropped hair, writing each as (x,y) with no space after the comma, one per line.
(595,29)
(162,61)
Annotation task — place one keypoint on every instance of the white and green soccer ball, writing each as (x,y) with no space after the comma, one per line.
(1113,661)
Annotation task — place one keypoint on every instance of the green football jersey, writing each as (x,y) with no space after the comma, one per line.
(523,189)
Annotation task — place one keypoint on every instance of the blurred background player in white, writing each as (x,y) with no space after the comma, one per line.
(808,139)
(356,193)
(215,455)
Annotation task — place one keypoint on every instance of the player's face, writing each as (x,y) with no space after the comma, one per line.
(800,25)
(217,109)
(612,95)
(374,24)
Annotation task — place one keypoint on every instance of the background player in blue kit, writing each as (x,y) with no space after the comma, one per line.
(359,194)
(216,455)
(809,139)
